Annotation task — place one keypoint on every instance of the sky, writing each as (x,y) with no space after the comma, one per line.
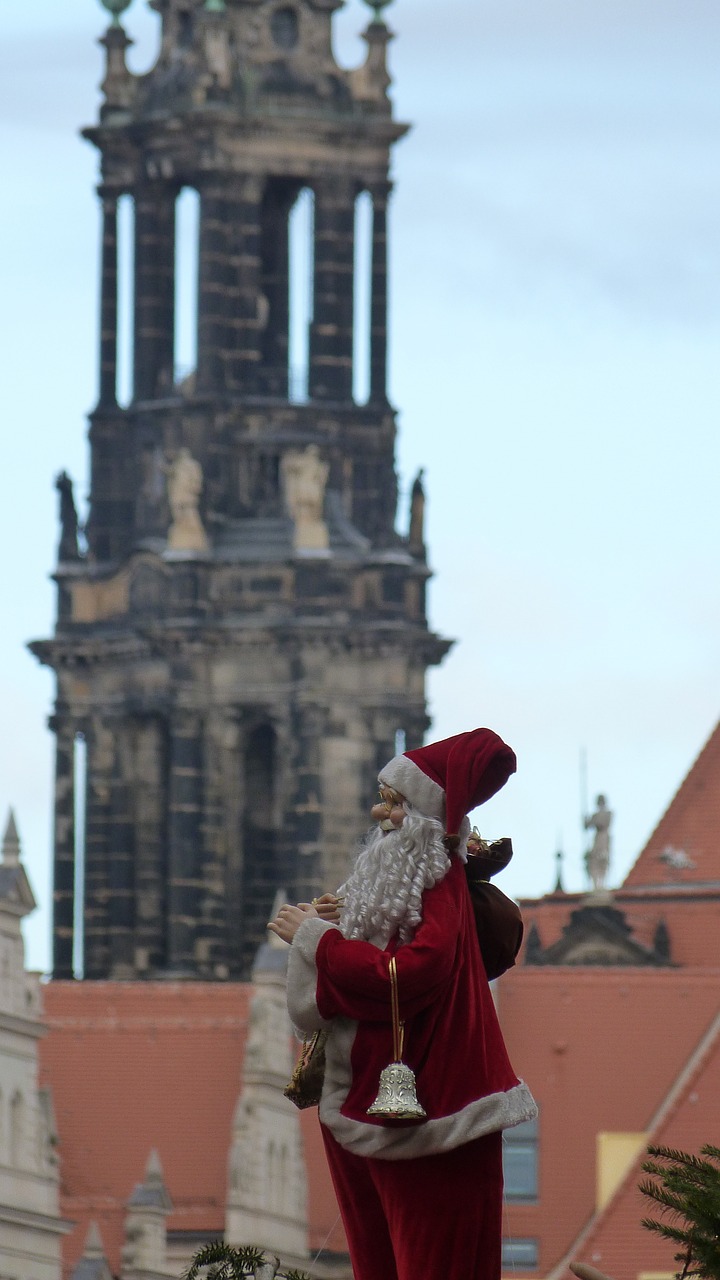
(555,275)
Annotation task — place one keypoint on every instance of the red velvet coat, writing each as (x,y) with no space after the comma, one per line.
(452,1037)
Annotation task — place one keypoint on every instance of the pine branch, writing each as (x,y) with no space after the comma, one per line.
(687,1188)
(664,1229)
(225,1262)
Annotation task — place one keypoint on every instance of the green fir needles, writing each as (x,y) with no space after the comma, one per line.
(218,1261)
(687,1190)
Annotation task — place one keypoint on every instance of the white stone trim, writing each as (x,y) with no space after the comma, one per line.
(485,1115)
(302,977)
(403,775)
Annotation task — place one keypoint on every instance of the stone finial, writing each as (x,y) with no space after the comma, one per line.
(371,80)
(559,888)
(93,1264)
(151,1193)
(116,7)
(16,895)
(145,1247)
(11,842)
(118,85)
(416,535)
(93,1242)
(377,7)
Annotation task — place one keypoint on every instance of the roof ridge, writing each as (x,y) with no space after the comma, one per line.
(693,776)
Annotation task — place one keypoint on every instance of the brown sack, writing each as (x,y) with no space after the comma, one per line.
(498,922)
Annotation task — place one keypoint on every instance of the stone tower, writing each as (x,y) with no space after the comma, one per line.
(241,635)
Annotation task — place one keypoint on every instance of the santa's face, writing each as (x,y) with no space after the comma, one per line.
(389,811)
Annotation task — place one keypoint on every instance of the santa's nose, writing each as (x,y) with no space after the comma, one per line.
(382,813)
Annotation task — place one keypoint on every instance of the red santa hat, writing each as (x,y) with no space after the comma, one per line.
(447,779)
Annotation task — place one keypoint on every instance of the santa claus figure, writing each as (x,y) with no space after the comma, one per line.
(395,974)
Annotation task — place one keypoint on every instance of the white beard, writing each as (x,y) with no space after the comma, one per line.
(383,895)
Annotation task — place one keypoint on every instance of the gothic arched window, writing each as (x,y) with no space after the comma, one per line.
(285,28)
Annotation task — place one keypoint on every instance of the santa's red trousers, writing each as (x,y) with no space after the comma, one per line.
(422,1219)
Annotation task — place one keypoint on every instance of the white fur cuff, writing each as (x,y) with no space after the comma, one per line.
(302,977)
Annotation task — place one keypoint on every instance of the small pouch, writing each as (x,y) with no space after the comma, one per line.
(305,1084)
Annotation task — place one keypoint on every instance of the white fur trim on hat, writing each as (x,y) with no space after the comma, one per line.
(403,775)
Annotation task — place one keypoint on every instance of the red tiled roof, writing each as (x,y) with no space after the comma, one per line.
(600,1049)
(688,1118)
(139,1065)
(689,826)
(691,916)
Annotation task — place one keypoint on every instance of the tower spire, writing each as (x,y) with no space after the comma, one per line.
(11,842)
(251,621)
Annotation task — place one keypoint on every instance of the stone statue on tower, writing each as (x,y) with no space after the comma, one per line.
(597,858)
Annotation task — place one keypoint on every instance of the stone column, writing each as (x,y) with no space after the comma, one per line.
(275,301)
(245,303)
(185,848)
(108,303)
(64,855)
(211,942)
(304,822)
(331,336)
(214,287)
(150,772)
(154,290)
(378,305)
(121,860)
(231,787)
(98,815)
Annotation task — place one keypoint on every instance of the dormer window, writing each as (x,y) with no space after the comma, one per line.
(285,28)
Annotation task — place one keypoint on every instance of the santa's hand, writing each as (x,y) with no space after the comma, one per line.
(288,920)
(328,907)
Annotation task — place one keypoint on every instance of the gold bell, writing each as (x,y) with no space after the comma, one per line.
(397,1095)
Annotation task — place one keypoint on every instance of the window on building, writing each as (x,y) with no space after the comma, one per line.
(187,253)
(520,1252)
(301,272)
(125,299)
(520,1161)
(362,297)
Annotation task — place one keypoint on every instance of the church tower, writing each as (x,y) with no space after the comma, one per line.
(241,635)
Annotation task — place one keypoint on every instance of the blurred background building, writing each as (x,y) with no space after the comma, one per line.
(241,641)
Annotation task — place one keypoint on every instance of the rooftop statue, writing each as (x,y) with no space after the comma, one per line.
(597,858)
